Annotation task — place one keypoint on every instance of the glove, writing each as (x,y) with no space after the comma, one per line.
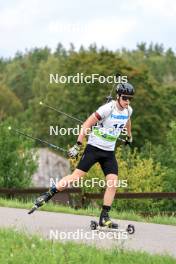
(74,151)
(128,140)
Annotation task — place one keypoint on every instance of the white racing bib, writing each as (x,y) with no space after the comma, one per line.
(108,129)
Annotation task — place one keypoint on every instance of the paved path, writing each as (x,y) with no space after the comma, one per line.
(152,238)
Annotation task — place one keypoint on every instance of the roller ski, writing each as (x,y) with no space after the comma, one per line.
(94,225)
(106,224)
(43,198)
(40,201)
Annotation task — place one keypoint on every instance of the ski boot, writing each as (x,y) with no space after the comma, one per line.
(43,198)
(105,221)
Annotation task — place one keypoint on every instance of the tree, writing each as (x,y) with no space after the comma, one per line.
(21,71)
(10,105)
(18,160)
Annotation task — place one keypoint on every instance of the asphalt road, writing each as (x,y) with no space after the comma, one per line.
(152,238)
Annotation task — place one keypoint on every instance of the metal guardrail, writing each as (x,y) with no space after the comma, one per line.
(131,195)
(125,195)
(15,191)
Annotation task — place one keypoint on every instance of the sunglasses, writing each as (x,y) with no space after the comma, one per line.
(125,98)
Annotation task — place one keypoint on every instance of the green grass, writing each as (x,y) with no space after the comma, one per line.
(158,219)
(20,248)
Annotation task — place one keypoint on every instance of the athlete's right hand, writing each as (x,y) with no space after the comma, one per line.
(128,140)
(74,151)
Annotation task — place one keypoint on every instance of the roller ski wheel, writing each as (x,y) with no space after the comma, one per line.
(130,229)
(93,225)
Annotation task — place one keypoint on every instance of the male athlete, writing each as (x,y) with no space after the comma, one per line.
(110,118)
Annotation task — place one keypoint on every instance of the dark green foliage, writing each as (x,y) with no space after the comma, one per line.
(17,160)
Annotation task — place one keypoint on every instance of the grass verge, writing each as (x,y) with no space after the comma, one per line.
(16,247)
(158,219)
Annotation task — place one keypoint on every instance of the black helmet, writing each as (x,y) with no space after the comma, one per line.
(125,88)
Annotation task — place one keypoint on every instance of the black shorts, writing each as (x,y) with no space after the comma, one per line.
(106,159)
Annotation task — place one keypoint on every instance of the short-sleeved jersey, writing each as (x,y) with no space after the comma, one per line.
(104,135)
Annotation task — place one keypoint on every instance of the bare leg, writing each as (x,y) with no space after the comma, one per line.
(111,180)
(67,180)
(61,185)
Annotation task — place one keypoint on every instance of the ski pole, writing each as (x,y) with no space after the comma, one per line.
(72,117)
(38,139)
(60,112)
